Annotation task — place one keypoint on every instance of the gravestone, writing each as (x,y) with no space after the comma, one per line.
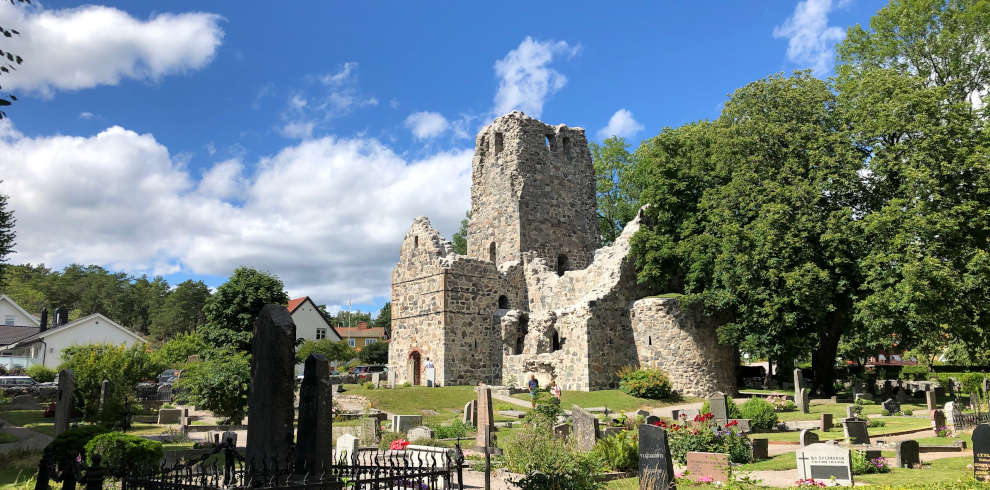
(908,454)
(797,381)
(822,462)
(974,401)
(686,414)
(902,395)
(24,402)
(952,413)
(611,431)
(420,432)
(347,444)
(851,412)
(376,379)
(642,413)
(471,413)
(585,427)
(713,467)
(273,369)
(104,388)
(169,416)
(486,422)
(808,437)
(931,400)
(826,422)
(805,404)
(371,431)
(938,420)
(231,436)
(718,407)
(653,419)
(891,406)
(402,423)
(741,425)
(562,430)
(656,467)
(760,448)
(981,452)
(63,405)
(315,430)
(855,431)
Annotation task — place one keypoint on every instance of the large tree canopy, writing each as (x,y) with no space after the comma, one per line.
(231,311)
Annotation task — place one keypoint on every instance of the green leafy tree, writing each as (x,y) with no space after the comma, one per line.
(333,351)
(384,319)
(460,237)
(940,42)
(231,310)
(376,353)
(616,190)
(9,61)
(123,366)
(219,384)
(181,311)
(7,236)
(175,352)
(344,318)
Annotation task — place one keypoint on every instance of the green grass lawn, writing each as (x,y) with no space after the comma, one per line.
(31,419)
(414,399)
(613,399)
(838,411)
(945,470)
(948,441)
(5,438)
(786,461)
(894,424)
(17,467)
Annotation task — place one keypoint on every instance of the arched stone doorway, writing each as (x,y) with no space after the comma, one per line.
(414,367)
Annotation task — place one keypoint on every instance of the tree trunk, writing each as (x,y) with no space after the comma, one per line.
(823,359)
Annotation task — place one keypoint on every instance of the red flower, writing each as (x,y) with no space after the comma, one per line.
(734,422)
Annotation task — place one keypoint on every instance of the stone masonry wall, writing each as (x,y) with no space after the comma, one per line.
(684,345)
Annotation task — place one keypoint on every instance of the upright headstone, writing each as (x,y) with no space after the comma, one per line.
(585,429)
(908,454)
(760,448)
(891,406)
(562,430)
(855,431)
(981,452)
(826,422)
(471,413)
(376,379)
(805,404)
(486,422)
(901,395)
(974,401)
(653,419)
(273,367)
(656,467)
(952,413)
(419,433)
(347,445)
(824,462)
(938,420)
(808,437)
(718,407)
(851,411)
(315,430)
(708,467)
(685,414)
(371,431)
(104,388)
(931,400)
(63,405)
(798,396)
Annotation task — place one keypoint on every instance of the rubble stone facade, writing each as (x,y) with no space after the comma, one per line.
(533,295)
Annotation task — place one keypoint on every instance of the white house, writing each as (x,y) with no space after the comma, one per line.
(33,342)
(310,324)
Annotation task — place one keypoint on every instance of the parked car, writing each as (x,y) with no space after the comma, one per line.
(17,382)
(365,372)
(168,376)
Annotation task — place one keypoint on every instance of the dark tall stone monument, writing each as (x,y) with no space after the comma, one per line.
(63,405)
(270,410)
(656,467)
(313,451)
(486,418)
(908,454)
(104,388)
(930,399)
(585,428)
(981,452)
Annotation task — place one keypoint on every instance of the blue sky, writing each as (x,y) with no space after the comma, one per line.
(302,138)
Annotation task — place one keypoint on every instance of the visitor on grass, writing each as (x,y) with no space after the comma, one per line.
(555,390)
(534,386)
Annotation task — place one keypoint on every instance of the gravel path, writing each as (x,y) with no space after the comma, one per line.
(27,439)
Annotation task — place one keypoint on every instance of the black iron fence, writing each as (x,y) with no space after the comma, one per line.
(407,469)
(966,420)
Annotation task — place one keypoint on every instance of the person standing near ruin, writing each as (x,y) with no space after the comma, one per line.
(555,390)
(534,387)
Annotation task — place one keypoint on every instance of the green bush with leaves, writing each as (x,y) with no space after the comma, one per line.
(332,350)
(175,352)
(549,463)
(546,411)
(387,438)
(123,366)
(971,382)
(618,452)
(914,373)
(219,384)
(73,441)
(645,383)
(455,429)
(862,466)
(761,414)
(41,373)
(703,435)
(125,453)
(733,411)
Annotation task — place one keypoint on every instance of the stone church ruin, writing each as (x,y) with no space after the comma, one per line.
(535,294)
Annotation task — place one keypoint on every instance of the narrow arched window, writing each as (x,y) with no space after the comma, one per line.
(503,302)
(561,264)
(416,241)
(491,252)
(554,341)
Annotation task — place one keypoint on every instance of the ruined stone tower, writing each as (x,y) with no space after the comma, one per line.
(533,295)
(532,189)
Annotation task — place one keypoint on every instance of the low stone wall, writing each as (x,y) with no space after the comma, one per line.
(684,345)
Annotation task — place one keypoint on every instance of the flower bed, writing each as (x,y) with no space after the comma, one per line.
(702,434)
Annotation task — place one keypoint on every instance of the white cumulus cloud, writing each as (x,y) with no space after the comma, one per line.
(525,77)
(621,124)
(426,124)
(327,215)
(72,49)
(810,38)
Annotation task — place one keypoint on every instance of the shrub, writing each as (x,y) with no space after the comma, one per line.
(387,438)
(763,417)
(732,412)
(456,429)
(368,385)
(92,363)
(701,434)
(122,452)
(971,382)
(547,409)
(73,441)
(781,403)
(218,384)
(876,423)
(618,452)
(645,383)
(914,373)
(862,466)
(41,373)
(548,463)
